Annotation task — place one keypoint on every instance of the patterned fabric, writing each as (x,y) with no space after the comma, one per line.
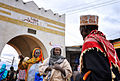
(88,20)
(99,41)
(31,62)
(21,74)
(33,59)
(3,72)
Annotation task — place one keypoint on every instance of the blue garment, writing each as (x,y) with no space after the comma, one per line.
(3,72)
(77,61)
(37,77)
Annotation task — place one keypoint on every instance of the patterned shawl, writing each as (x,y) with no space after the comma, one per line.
(97,39)
(35,60)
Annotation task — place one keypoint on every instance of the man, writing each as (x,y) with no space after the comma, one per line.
(98,60)
(12,76)
(56,67)
(31,65)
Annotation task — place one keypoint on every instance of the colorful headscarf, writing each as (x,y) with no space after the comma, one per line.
(97,39)
(35,60)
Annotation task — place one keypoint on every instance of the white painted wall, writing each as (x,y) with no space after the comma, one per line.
(10,30)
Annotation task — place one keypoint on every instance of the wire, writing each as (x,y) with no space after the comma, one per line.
(77,5)
(91,7)
(7,58)
(96,4)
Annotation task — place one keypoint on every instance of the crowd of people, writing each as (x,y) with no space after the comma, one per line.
(98,60)
(54,68)
(10,75)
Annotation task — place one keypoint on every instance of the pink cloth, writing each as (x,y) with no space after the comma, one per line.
(22,74)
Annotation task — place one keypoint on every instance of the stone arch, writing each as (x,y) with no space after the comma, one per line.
(24,44)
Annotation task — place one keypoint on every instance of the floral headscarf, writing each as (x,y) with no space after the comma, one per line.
(35,60)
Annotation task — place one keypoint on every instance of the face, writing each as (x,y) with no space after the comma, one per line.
(83,32)
(57,51)
(37,53)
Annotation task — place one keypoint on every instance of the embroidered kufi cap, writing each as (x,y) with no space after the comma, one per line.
(88,20)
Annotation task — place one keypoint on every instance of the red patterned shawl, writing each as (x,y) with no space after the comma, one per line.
(97,39)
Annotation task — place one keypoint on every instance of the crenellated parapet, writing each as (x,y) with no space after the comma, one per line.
(33,8)
(30,15)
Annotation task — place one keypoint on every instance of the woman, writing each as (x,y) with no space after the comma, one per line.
(3,72)
(32,65)
(56,67)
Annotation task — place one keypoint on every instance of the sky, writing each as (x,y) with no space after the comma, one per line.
(107,10)
(7,55)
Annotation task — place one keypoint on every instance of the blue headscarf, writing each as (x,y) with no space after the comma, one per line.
(3,68)
(3,72)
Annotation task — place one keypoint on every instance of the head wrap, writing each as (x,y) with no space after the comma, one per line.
(3,68)
(55,59)
(35,60)
(57,46)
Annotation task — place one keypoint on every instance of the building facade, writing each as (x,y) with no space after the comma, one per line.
(73,55)
(25,26)
(116,44)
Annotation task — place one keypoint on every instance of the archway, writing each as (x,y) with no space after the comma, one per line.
(24,44)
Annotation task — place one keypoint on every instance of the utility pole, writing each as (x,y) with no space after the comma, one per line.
(13,61)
